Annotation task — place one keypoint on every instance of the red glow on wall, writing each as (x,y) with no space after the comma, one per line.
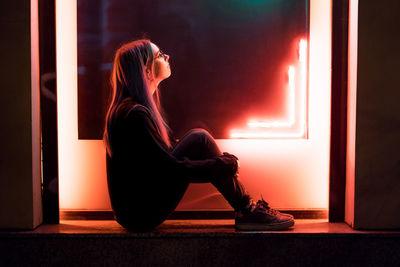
(295,124)
(291,172)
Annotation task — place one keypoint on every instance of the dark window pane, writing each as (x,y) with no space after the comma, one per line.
(229,58)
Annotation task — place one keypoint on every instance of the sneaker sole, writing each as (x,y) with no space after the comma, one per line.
(264,227)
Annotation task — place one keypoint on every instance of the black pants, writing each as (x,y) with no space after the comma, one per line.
(198,144)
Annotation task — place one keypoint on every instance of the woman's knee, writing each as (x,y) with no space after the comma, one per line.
(197,144)
(200,133)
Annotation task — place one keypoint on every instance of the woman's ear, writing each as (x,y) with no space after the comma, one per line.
(149,75)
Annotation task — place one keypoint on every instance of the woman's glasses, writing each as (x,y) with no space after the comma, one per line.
(161,54)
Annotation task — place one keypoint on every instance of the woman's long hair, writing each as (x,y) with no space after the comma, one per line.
(129,84)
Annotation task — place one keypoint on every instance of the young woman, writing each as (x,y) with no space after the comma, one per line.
(147,172)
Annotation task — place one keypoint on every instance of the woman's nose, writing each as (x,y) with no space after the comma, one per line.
(166,57)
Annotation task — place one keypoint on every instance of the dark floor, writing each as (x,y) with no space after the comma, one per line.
(198,243)
(314,226)
(191,226)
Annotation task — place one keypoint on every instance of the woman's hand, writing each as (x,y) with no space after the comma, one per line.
(228,154)
(237,162)
(227,165)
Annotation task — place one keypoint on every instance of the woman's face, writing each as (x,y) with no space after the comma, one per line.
(161,69)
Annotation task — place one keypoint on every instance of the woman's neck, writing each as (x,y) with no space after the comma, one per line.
(153,87)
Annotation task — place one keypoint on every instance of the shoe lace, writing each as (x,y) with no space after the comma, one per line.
(265,206)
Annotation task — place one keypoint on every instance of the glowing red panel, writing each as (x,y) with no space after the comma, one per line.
(295,124)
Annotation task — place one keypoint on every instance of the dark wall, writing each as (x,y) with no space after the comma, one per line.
(20,195)
(377,162)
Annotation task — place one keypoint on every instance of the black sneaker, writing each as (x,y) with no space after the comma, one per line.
(259,216)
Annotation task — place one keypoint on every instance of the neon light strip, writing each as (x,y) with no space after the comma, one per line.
(292,104)
(266,135)
(303,83)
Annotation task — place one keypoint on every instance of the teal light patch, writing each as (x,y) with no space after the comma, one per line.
(251,9)
(255,3)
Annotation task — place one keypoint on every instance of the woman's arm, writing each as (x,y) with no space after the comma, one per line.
(144,128)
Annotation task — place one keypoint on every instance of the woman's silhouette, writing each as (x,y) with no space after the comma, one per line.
(147,172)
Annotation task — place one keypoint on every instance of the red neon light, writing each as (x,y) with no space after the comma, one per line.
(263,128)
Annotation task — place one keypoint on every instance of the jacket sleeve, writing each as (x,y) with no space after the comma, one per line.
(144,127)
